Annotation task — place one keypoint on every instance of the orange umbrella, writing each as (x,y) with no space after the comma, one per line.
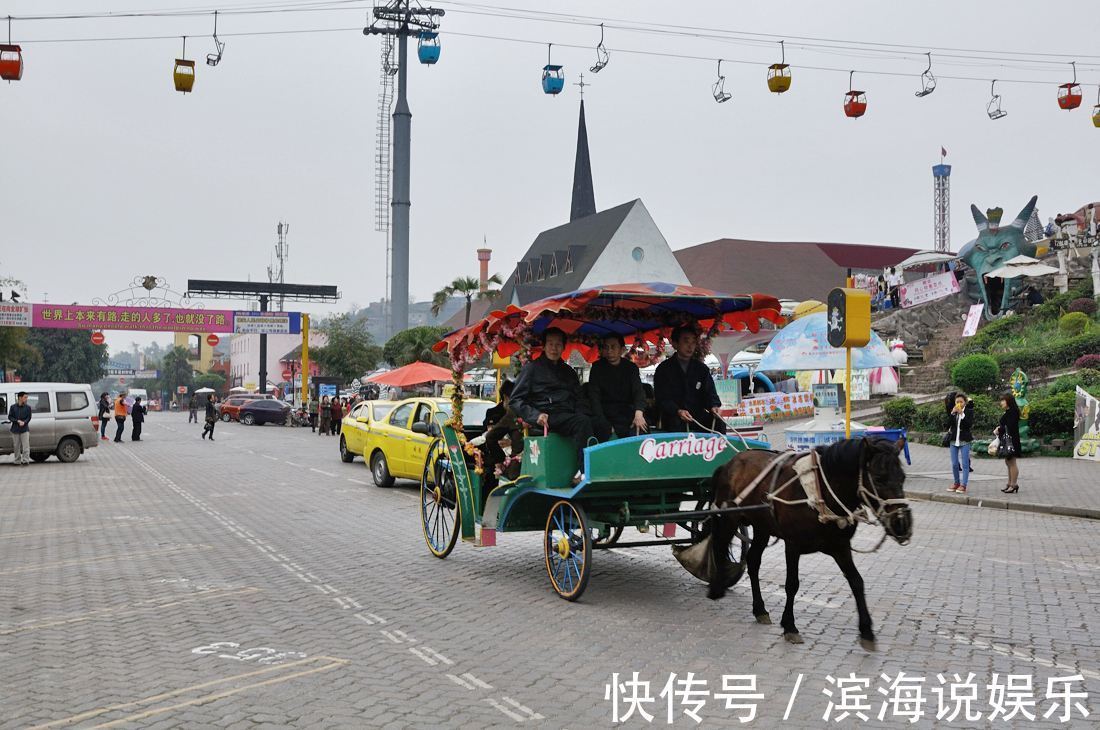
(413,374)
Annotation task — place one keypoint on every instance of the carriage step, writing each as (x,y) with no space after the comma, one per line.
(484,537)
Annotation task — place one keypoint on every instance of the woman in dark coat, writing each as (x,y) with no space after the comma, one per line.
(960,410)
(211,418)
(1008,432)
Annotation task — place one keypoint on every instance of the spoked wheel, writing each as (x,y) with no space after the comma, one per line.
(439,501)
(739,546)
(568,547)
(610,540)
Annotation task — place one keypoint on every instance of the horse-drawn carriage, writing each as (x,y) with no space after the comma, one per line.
(642,481)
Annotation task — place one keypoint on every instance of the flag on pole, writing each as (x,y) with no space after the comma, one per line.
(943,152)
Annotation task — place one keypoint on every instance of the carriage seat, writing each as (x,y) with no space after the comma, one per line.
(551,460)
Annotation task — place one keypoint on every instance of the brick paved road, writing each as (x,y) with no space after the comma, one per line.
(260,581)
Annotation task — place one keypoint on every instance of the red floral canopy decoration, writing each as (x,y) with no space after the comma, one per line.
(644,314)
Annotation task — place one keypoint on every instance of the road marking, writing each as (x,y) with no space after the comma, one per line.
(1005,650)
(358,481)
(474,680)
(267,456)
(460,682)
(527,710)
(120,558)
(431,662)
(329,588)
(494,703)
(326,473)
(353,602)
(341,603)
(293,464)
(405,636)
(392,638)
(125,610)
(437,655)
(331,663)
(64,530)
(377,618)
(364,619)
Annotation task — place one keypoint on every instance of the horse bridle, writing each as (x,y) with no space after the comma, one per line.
(871,497)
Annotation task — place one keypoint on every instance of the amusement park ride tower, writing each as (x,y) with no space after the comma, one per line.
(941,195)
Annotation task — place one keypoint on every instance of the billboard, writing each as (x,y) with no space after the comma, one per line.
(1086,427)
(148,319)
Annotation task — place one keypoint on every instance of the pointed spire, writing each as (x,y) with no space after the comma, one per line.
(584,199)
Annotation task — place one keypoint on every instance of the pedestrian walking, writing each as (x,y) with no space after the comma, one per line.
(120,416)
(211,418)
(104,411)
(20,416)
(137,414)
(337,415)
(324,416)
(311,408)
(960,410)
(1008,441)
(192,410)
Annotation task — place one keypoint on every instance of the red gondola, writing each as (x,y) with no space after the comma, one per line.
(855,101)
(1069,95)
(11,62)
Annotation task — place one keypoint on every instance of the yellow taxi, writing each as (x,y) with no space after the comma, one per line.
(395,451)
(355,426)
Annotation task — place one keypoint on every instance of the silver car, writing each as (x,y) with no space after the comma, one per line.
(64,419)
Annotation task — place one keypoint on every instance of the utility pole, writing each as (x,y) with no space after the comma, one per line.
(401,18)
(282,253)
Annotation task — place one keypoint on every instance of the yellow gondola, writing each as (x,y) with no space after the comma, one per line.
(183,75)
(779,74)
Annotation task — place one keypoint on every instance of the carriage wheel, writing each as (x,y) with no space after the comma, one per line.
(739,545)
(568,547)
(439,503)
(609,541)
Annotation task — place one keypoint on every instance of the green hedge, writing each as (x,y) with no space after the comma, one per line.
(899,412)
(1073,323)
(1059,354)
(1053,415)
(975,373)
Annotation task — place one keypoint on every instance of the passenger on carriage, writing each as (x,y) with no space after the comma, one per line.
(547,393)
(615,395)
(500,423)
(686,396)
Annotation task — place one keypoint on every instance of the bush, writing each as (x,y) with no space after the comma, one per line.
(987,414)
(1087,361)
(1059,354)
(975,373)
(1082,304)
(899,412)
(1065,384)
(931,417)
(1089,376)
(1073,323)
(1053,415)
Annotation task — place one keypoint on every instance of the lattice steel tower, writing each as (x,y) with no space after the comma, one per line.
(941,197)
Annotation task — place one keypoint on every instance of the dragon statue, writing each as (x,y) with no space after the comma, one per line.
(994,246)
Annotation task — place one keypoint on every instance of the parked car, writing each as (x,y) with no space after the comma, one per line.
(396,451)
(259,412)
(357,424)
(64,419)
(229,409)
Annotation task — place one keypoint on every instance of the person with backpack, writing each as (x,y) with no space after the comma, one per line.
(137,414)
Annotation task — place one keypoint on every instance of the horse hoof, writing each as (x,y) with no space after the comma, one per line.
(793,638)
(764,619)
(868,644)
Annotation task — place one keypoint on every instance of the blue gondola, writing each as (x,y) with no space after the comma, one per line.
(428,50)
(553,79)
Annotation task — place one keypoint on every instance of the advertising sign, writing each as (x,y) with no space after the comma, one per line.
(267,323)
(1086,427)
(729,391)
(973,318)
(324,389)
(13,314)
(827,395)
(1082,240)
(147,374)
(928,289)
(120,371)
(147,319)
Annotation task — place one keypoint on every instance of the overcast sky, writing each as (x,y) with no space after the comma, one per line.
(109,173)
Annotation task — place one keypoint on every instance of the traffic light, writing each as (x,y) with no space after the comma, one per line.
(849,317)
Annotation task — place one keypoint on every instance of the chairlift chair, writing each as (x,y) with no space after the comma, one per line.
(927,80)
(553,77)
(602,56)
(779,74)
(993,109)
(1069,95)
(719,87)
(213,59)
(855,101)
(428,48)
(183,75)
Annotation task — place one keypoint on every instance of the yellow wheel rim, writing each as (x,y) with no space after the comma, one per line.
(563,546)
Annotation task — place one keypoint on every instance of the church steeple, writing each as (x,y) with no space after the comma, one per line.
(584,198)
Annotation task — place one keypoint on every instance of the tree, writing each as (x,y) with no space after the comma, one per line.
(209,380)
(350,349)
(465,286)
(175,370)
(14,350)
(65,356)
(413,344)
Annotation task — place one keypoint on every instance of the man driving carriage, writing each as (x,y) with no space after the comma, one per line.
(686,396)
(547,393)
(616,399)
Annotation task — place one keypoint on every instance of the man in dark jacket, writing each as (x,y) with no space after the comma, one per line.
(137,414)
(20,416)
(211,417)
(104,411)
(500,423)
(547,394)
(615,395)
(686,396)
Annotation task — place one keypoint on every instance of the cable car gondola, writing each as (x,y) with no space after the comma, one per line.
(993,109)
(183,75)
(1069,95)
(428,48)
(11,59)
(553,77)
(855,101)
(1096,109)
(779,74)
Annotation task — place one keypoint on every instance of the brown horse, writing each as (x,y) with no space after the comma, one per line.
(853,475)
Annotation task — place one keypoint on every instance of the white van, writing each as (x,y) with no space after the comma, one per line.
(64,419)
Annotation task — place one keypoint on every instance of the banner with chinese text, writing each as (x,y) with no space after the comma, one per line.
(147,319)
(928,289)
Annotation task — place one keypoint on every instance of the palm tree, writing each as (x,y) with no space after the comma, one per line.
(466,286)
